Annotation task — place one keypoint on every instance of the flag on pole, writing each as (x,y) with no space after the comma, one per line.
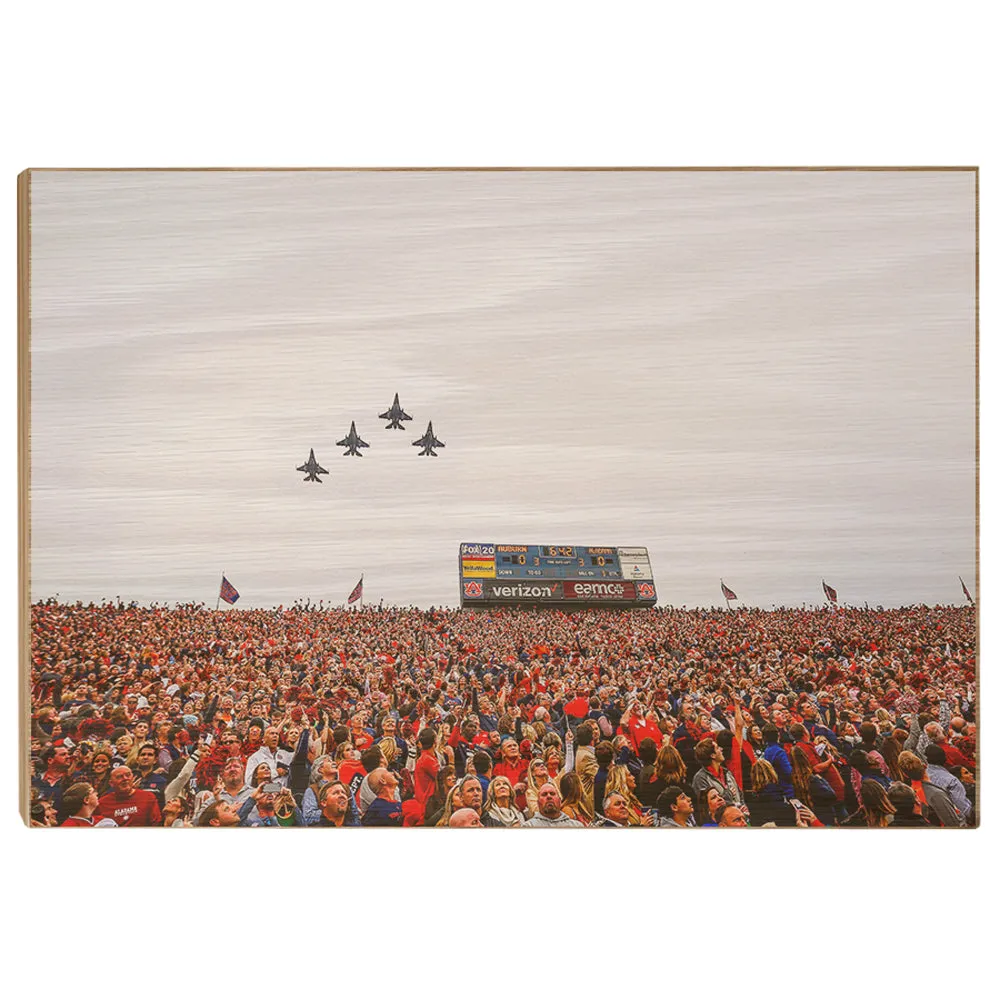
(966,589)
(728,594)
(356,593)
(228,592)
(831,594)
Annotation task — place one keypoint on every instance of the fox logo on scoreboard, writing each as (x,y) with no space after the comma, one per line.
(473,588)
(645,592)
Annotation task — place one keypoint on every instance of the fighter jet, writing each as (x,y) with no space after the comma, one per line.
(428,442)
(394,414)
(352,443)
(313,469)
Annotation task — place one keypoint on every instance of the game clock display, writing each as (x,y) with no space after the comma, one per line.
(562,562)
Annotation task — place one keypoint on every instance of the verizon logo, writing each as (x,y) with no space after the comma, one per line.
(523,590)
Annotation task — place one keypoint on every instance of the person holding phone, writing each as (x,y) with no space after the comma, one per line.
(258,809)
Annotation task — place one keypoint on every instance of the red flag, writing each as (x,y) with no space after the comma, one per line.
(728,594)
(831,594)
(228,592)
(356,593)
(966,589)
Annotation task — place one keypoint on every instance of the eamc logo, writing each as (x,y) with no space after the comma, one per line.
(473,588)
(646,591)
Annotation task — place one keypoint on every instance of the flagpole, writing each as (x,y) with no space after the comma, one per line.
(220,591)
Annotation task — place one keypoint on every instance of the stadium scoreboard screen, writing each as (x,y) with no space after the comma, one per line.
(560,575)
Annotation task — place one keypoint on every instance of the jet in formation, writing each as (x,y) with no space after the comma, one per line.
(395,414)
(428,442)
(352,442)
(313,469)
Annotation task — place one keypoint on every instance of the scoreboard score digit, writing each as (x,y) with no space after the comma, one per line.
(491,574)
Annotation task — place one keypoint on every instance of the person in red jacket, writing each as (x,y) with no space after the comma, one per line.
(128,805)
(802,741)
(426,769)
(952,755)
(638,727)
(512,765)
(361,737)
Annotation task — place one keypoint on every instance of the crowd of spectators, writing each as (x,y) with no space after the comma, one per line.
(401,717)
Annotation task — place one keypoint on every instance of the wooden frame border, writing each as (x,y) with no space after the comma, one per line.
(24,381)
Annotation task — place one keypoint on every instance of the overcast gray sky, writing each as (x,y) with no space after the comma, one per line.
(765,377)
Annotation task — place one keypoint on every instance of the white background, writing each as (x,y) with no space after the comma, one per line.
(518,84)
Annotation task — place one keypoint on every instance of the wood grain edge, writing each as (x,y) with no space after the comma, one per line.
(777,168)
(23,489)
(979,620)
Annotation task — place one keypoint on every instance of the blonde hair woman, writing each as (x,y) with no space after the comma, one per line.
(499,809)
(882,721)
(571,790)
(876,809)
(132,757)
(762,775)
(621,780)
(449,805)
(389,751)
(537,776)
(554,762)
(669,767)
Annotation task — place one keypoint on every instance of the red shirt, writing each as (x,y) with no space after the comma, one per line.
(832,777)
(954,757)
(348,769)
(639,730)
(735,763)
(425,776)
(481,739)
(77,821)
(362,740)
(515,773)
(809,750)
(139,809)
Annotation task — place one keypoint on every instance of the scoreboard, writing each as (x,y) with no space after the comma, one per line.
(579,575)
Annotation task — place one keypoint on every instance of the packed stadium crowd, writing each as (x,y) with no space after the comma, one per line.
(401,717)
